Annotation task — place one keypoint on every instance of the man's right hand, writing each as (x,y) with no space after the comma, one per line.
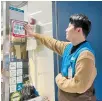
(29,31)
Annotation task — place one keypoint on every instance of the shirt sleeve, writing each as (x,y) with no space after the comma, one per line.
(84,76)
(53,44)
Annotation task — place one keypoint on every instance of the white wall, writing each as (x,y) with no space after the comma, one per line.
(42,66)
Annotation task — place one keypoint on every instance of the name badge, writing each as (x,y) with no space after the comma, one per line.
(70,72)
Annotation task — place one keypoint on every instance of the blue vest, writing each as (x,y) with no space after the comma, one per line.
(70,59)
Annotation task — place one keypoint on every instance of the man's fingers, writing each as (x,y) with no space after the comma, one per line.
(27,26)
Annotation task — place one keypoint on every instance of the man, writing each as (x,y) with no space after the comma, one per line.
(78,72)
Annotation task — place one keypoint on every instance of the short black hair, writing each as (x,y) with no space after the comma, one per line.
(81,20)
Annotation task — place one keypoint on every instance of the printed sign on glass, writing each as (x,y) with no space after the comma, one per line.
(12,73)
(18,28)
(12,88)
(19,79)
(19,64)
(12,65)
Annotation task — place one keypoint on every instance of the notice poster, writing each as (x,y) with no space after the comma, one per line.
(12,88)
(19,72)
(19,79)
(12,65)
(12,73)
(19,65)
(18,28)
(12,80)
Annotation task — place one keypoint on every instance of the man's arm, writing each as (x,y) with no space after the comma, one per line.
(84,77)
(53,44)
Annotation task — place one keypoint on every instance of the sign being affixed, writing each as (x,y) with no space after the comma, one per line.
(18,28)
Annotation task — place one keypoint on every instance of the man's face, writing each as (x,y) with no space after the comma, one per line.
(70,32)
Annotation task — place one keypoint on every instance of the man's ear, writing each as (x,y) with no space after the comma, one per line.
(79,29)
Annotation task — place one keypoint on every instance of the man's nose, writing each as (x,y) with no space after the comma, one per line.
(66,29)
